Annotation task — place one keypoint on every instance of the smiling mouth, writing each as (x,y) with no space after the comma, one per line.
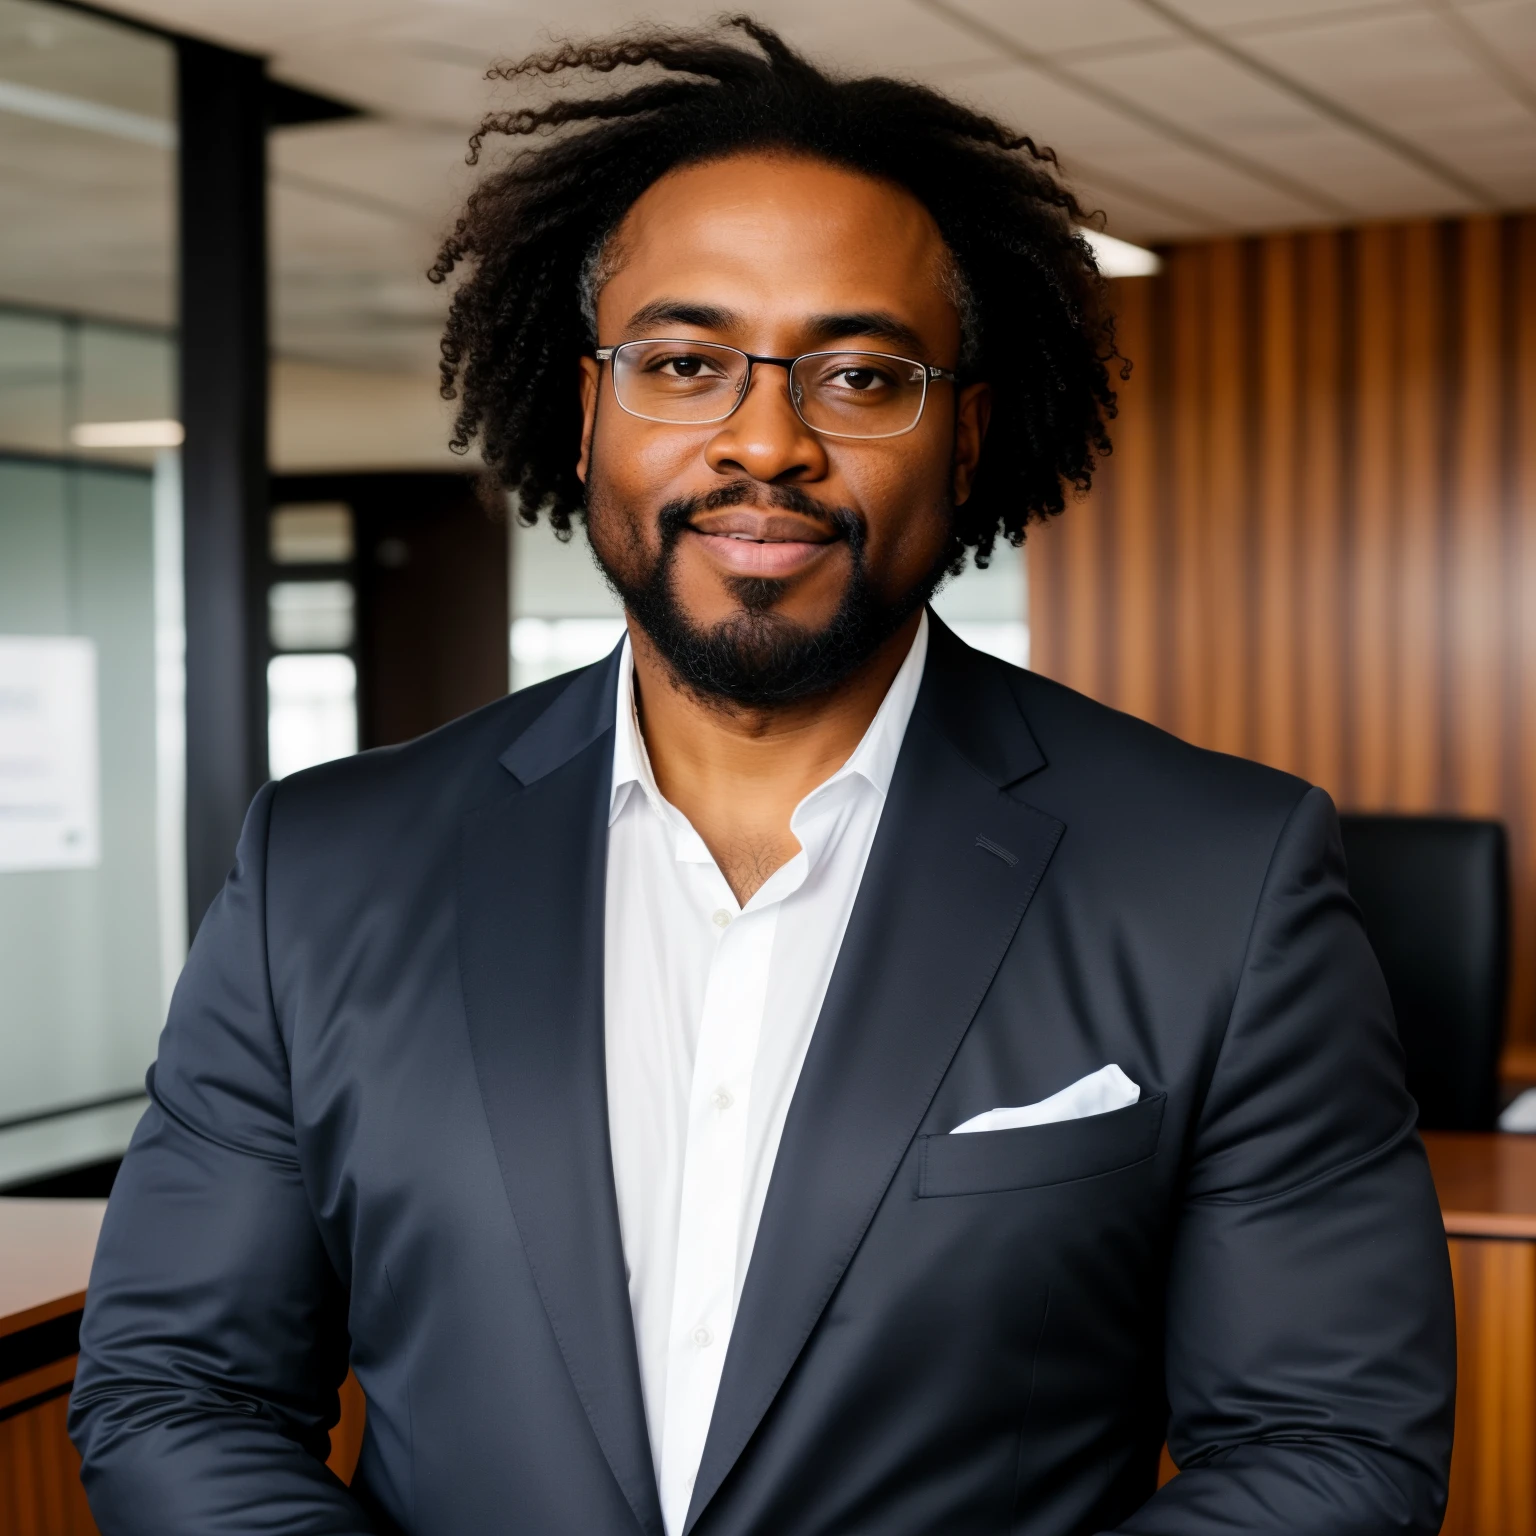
(767,550)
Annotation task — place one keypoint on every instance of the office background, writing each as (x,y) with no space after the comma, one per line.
(233,541)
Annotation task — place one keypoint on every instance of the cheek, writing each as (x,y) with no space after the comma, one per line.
(640,459)
(906,500)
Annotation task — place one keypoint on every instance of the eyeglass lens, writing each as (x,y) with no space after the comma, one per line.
(849,394)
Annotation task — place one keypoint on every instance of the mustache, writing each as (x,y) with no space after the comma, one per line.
(676,516)
(758,594)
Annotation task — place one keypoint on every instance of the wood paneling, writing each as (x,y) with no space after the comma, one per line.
(347,1436)
(40,1492)
(1487,1190)
(1493,1472)
(1315,542)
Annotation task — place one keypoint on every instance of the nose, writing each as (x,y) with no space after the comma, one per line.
(764,437)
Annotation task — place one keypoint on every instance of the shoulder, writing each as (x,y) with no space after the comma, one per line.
(1108,750)
(1147,815)
(1167,847)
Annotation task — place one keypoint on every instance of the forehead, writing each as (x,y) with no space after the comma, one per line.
(781,232)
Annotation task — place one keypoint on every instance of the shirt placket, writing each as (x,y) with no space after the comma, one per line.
(712,1192)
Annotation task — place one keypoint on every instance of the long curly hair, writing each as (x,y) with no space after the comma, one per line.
(532,234)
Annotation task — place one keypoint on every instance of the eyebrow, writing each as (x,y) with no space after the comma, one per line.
(867,322)
(875,323)
(706,317)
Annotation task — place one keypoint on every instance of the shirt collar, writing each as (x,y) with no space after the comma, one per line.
(874,759)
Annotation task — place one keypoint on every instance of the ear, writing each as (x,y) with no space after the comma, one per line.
(973,412)
(591,377)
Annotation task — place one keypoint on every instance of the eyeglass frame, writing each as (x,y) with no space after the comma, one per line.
(930,373)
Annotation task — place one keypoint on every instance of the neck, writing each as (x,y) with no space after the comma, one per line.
(738,773)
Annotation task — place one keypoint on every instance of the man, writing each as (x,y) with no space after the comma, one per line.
(799,1075)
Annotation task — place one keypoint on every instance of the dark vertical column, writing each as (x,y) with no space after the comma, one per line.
(224,460)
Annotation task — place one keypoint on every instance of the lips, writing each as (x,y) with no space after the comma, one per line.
(764,544)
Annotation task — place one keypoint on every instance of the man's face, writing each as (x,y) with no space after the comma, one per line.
(765,560)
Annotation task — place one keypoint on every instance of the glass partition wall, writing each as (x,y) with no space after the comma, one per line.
(92,925)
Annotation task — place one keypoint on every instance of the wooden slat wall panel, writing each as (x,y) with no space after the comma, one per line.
(1315,543)
(40,1492)
(1493,1468)
(1520,590)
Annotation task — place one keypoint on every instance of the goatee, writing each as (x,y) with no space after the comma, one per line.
(756,658)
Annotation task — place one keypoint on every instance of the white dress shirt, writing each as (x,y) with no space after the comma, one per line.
(709,1011)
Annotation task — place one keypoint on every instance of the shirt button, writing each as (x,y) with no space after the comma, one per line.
(703,1337)
(722,918)
(721,1098)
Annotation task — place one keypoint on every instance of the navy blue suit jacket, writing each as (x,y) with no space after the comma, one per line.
(378,1133)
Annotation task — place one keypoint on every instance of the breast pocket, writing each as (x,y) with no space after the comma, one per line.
(981,1162)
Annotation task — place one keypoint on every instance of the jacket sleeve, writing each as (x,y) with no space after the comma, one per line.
(214,1337)
(1310,1329)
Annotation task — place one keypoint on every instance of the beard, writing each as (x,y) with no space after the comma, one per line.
(755,658)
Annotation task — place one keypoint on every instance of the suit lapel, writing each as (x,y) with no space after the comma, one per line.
(531,917)
(953,867)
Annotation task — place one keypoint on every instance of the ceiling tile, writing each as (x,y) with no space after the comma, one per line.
(1051,26)
(1409,75)
(1508,27)
(394,83)
(894,37)
(1129,215)
(269,26)
(1085,132)
(1222,101)
(1255,15)
(869,35)
(358,207)
(422,171)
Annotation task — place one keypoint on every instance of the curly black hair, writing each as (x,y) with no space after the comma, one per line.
(1036,323)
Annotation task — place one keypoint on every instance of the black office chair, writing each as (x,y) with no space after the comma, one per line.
(1434,892)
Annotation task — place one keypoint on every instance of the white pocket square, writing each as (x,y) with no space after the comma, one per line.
(1097,1094)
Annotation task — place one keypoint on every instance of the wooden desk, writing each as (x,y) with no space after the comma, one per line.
(1487,1188)
(45,1260)
(46,1248)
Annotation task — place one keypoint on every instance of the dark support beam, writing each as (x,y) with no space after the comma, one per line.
(224,459)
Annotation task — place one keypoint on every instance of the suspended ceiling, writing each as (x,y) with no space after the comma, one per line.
(1178,118)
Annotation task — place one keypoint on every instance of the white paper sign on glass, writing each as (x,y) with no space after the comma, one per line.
(50,797)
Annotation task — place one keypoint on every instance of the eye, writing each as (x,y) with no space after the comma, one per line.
(684,365)
(859,378)
(856,378)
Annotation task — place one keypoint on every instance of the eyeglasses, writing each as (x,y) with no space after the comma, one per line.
(840,394)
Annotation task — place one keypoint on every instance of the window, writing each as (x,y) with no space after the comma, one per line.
(312,629)
(92,925)
(563,613)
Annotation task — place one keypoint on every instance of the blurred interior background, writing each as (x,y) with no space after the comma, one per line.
(233,542)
